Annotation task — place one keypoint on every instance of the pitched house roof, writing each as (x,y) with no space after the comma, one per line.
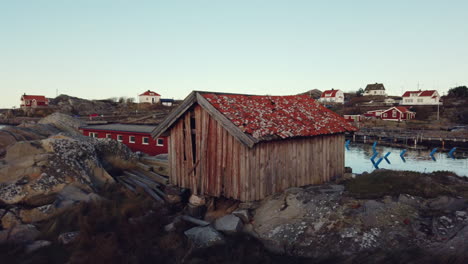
(122,128)
(253,118)
(375,86)
(329,93)
(426,93)
(150,93)
(38,98)
(400,108)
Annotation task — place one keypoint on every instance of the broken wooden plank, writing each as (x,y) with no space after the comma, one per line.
(143,166)
(147,189)
(194,220)
(154,176)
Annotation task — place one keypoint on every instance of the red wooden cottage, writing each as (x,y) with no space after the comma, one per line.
(33,101)
(136,137)
(247,147)
(397,113)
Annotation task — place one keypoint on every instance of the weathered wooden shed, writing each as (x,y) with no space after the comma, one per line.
(247,147)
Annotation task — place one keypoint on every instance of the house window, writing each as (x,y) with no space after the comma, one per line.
(160,142)
(119,138)
(108,135)
(393,113)
(93,134)
(131,139)
(385,115)
(420,100)
(145,141)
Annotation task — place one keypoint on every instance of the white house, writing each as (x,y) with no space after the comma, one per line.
(149,97)
(333,96)
(428,97)
(374,89)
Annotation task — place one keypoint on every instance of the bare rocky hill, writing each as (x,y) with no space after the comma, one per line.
(78,106)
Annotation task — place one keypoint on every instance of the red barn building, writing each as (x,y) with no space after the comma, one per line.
(136,137)
(33,101)
(397,113)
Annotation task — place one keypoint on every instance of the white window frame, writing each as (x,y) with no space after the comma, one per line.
(93,134)
(130,139)
(108,135)
(160,144)
(385,115)
(143,140)
(119,138)
(394,113)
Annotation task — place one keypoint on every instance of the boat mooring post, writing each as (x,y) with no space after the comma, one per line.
(386,157)
(451,152)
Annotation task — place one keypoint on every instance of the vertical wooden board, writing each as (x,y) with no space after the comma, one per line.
(198,135)
(257,178)
(313,162)
(227,148)
(212,137)
(189,153)
(263,155)
(204,152)
(220,157)
(269,156)
(172,166)
(242,173)
(224,160)
(235,169)
(180,133)
(177,142)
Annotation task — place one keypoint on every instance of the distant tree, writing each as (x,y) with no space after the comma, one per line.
(130,100)
(113,99)
(122,99)
(360,92)
(460,91)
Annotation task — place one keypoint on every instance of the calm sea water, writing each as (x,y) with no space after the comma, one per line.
(358,158)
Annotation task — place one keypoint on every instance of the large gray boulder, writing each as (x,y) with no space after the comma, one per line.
(19,234)
(204,237)
(229,224)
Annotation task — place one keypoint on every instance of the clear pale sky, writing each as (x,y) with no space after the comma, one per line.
(99,49)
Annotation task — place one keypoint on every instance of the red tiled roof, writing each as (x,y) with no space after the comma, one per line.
(329,93)
(38,98)
(150,93)
(408,93)
(402,109)
(427,93)
(264,117)
(419,93)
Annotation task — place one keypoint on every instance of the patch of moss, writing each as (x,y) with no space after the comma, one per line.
(387,182)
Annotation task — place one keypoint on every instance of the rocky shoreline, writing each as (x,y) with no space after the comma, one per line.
(59,203)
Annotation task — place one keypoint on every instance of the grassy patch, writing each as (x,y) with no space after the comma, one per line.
(386,182)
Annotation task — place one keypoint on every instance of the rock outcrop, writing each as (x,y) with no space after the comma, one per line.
(56,169)
(323,222)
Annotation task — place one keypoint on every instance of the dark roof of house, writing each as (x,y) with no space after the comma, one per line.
(253,118)
(166,100)
(375,86)
(122,128)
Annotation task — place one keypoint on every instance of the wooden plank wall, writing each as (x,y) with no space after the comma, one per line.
(222,166)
